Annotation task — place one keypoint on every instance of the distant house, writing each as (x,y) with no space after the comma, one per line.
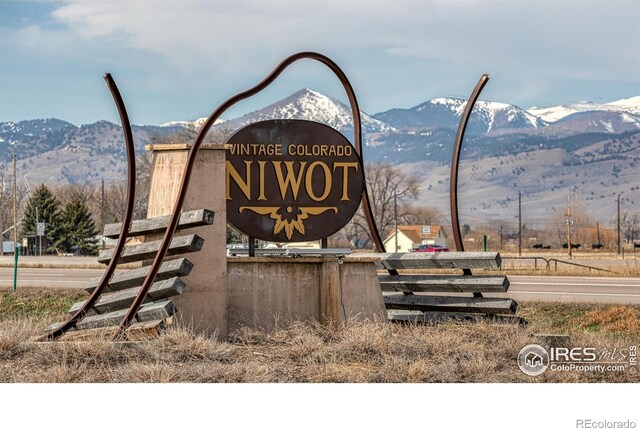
(410,236)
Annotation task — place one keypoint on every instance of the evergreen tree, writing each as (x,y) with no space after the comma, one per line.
(77,229)
(44,207)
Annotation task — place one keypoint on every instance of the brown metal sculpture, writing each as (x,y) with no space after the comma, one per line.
(455,162)
(126,221)
(173,221)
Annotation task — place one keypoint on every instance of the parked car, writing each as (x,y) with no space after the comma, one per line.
(430,248)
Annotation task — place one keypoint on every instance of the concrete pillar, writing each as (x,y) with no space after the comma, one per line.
(204,301)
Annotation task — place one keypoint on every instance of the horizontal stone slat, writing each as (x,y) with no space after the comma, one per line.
(134,277)
(151,226)
(123,299)
(444,283)
(485,305)
(147,251)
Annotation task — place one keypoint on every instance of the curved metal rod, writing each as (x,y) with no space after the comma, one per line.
(455,161)
(126,221)
(173,221)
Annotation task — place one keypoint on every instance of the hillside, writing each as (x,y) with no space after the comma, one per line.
(587,149)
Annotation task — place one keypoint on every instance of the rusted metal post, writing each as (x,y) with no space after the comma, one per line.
(126,221)
(455,162)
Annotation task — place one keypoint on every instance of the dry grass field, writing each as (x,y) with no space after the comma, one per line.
(304,352)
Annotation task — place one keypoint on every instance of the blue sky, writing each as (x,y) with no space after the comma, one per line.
(177,60)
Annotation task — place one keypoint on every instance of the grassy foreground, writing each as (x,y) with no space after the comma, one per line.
(303,352)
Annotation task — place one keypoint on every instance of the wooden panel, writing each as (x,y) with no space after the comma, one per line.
(444,283)
(148,250)
(485,305)
(134,277)
(442,260)
(157,225)
(123,299)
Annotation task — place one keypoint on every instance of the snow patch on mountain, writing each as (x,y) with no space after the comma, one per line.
(555,113)
(196,124)
(308,104)
(486,116)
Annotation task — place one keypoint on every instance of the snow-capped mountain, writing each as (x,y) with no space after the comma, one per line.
(35,126)
(196,124)
(13,132)
(599,121)
(486,116)
(308,104)
(631,105)
(555,113)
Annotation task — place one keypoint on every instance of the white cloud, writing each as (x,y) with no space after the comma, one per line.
(413,49)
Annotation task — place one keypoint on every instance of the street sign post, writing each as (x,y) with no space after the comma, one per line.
(40,232)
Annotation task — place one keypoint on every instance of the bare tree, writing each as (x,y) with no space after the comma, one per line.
(6,201)
(115,202)
(388,188)
(423,215)
(628,224)
(75,192)
(582,227)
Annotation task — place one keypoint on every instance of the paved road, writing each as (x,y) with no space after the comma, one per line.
(574,289)
(46,277)
(50,261)
(524,288)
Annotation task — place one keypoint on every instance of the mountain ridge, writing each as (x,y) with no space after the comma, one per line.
(591,150)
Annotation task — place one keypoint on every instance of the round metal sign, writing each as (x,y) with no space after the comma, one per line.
(291,180)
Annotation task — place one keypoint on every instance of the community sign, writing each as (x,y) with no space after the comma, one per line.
(291,180)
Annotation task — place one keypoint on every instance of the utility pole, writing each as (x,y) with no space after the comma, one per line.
(395,213)
(500,237)
(102,215)
(15,207)
(519,223)
(619,246)
(598,232)
(1,212)
(569,221)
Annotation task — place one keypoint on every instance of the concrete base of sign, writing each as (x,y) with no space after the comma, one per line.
(203,305)
(266,292)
